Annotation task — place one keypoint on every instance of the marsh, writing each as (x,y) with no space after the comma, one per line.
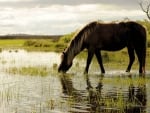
(72,92)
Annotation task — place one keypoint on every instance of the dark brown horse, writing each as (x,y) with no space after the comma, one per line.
(97,36)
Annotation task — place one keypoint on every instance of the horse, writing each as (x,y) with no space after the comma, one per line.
(97,36)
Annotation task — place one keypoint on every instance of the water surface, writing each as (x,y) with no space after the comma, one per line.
(114,92)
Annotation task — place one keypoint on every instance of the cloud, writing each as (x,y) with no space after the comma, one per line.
(59,19)
(130,4)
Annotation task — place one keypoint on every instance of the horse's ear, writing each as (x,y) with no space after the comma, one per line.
(63,53)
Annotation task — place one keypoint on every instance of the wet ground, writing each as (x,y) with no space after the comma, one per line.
(114,92)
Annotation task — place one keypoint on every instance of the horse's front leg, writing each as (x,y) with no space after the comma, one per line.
(99,59)
(89,58)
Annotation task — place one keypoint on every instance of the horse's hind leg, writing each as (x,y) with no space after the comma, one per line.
(141,54)
(90,56)
(99,59)
(131,58)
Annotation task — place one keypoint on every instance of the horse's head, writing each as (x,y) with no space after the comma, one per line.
(65,63)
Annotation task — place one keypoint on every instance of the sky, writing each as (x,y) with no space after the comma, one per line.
(57,17)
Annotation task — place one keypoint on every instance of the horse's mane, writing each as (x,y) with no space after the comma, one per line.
(76,43)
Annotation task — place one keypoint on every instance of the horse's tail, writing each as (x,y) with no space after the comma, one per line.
(144,35)
(139,39)
(138,34)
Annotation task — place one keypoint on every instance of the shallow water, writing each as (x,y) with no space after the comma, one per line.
(114,92)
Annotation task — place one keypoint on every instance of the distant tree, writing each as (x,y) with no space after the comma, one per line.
(145,6)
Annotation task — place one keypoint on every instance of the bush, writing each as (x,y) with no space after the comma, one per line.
(38,43)
(59,45)
(66,38)
(30,43)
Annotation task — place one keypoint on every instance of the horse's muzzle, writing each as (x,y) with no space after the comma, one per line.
(60,70)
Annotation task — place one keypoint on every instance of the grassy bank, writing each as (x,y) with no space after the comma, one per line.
(10,43)
(29,44)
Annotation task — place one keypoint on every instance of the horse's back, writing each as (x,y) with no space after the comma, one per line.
(106,37)
(115,36)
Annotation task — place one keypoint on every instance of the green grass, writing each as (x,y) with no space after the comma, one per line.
(38,44)
(32,71)
(11,43)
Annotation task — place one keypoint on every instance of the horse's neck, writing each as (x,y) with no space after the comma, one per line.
(74,49)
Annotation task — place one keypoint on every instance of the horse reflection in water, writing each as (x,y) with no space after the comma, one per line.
(134,100)
(67,86)
(138,96)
